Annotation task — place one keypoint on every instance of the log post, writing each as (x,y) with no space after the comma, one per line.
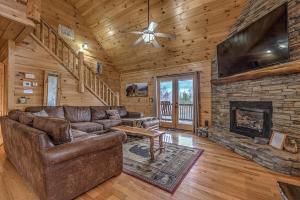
(10,75)
(81,72)
(117,98)
(33,10)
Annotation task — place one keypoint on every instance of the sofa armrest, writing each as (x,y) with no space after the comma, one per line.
(134,115)
(68,151)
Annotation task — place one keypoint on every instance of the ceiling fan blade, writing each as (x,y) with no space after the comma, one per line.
(152,26)
(165,35)
(155,43)
(138,40)
(136,32)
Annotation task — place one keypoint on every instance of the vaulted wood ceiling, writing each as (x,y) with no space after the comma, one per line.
(198,24)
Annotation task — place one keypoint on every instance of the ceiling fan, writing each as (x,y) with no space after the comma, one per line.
(148,35)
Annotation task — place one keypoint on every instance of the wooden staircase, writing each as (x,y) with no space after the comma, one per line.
(74,62)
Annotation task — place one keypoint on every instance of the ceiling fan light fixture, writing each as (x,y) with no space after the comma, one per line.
(148,37)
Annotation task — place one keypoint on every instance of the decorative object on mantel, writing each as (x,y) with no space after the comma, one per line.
(289,191)
(277,140)
(261,140)
(290,145)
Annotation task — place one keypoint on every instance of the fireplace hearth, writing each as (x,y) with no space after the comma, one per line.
(251,118)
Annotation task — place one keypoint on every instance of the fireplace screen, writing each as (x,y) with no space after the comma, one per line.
(250,119)
(253,119)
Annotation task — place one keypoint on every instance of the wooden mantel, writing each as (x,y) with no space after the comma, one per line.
(282,69)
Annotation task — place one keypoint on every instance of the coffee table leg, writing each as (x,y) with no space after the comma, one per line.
(152,148)
(161,143)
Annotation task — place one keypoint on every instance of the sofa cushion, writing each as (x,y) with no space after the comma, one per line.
(88,127)
(113,114)
(77,133)
(52,111)
(99,112)
(121,109)
(58,130)
(108,123)
(26,118)
(77,114)
(14,114)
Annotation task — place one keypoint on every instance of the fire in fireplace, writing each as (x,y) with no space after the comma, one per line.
(253,119)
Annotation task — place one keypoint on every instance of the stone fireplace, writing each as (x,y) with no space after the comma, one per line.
(235,117)
(251,118)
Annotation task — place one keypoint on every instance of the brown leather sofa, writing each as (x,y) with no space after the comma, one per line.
(60,162)
(90,119)
(71,150)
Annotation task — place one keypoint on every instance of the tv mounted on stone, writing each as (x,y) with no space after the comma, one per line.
(261,44)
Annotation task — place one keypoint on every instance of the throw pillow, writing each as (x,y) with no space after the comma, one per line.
(42,113)
(113,114)
(14,114)
(26,118)
(59,130)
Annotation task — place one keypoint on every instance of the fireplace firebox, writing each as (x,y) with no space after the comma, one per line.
(251,118)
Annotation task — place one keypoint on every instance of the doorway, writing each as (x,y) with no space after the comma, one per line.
(176,102)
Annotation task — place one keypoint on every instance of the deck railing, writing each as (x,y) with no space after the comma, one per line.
(185,111)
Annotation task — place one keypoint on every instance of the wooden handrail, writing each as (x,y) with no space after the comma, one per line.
(74,63)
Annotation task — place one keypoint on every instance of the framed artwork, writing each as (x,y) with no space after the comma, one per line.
(277,140)
(136,90)
(66,32)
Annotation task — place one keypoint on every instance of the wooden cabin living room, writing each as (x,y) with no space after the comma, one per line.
(150,99)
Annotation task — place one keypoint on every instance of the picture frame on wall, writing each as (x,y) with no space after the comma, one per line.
(136,90)
(277,140)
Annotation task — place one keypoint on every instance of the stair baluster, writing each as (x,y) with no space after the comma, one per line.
(74,63)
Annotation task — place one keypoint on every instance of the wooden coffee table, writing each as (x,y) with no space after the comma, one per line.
(151,134)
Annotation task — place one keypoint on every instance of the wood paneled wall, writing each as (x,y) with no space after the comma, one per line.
(31,58)
(145,104)
(57,12)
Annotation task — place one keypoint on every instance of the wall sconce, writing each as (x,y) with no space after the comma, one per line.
(84,46)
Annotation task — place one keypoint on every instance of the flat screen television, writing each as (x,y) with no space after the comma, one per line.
(261,44)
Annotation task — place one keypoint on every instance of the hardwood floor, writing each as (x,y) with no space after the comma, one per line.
(218,174)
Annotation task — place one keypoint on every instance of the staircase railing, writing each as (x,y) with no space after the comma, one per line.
(74,63)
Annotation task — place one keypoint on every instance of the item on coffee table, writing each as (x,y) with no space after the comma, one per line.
(277,140)
(290,146)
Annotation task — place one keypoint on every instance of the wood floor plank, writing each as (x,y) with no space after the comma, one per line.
(219,174)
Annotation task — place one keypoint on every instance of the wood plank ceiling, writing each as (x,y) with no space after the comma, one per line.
(198,24)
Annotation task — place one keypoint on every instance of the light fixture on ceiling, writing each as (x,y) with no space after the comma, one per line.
(269,51)
(148,35)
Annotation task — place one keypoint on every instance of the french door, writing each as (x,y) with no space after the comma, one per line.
(175,99)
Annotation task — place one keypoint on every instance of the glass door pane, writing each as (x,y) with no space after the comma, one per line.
(166,100)
(185,102)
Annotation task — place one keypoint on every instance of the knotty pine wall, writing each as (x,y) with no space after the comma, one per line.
(31,58)
(145,105)
(57,12)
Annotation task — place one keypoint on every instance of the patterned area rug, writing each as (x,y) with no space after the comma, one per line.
(169,167)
